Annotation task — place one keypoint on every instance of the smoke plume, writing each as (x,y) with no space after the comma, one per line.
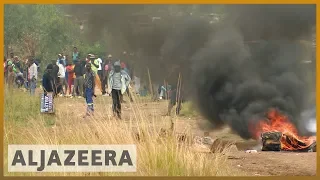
(235,70)
(236,81)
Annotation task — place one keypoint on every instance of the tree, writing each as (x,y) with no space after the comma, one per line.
(39,30)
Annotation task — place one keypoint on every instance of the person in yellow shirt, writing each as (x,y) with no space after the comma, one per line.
(94,67)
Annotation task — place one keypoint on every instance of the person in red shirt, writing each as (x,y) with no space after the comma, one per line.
(70,71)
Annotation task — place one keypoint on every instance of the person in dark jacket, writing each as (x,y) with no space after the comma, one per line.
(79,71)
(174,101)
(47,80)
(89,87)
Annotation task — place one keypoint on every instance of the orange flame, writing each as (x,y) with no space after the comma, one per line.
(280,123)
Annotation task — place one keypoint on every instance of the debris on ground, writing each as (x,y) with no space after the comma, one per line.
(251,151)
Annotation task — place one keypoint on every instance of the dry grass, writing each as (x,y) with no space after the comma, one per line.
(157,156)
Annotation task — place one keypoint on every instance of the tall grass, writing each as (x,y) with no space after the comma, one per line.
(188,109)
(157,155)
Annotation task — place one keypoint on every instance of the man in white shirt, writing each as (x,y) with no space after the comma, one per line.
(62,77)
(33,76)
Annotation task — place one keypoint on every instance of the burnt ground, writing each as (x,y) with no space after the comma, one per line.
(253,164)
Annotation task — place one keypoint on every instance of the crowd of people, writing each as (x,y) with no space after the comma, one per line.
(78,77)
(21,73)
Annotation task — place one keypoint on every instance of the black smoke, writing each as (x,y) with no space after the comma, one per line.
(234,70)
(252,64)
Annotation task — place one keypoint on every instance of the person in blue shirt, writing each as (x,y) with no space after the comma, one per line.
(75,55)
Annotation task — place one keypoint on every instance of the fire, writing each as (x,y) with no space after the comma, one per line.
(290,139)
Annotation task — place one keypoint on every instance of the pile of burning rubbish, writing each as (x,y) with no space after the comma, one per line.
(278,134)
(275,133)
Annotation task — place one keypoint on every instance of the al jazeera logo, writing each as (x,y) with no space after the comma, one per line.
(72,158)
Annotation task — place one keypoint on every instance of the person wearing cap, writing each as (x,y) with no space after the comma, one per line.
(119,80)
(89,86)
(47,80)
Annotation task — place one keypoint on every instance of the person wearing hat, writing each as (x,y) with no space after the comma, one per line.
(47,80)
(119,80)
(88,58)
